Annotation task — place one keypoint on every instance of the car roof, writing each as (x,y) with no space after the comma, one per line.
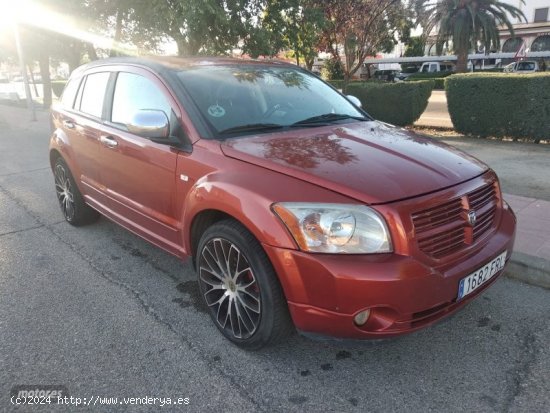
(174,63)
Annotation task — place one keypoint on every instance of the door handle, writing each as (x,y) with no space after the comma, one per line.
(108,141)
(69,124)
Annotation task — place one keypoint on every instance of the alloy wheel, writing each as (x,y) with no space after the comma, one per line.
(64,190)
(229,287)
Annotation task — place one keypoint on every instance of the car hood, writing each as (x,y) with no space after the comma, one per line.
(369,161)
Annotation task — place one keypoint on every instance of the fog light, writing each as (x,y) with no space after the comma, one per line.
(361,318)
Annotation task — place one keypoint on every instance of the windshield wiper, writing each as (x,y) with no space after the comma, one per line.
(251,127)
(328,117)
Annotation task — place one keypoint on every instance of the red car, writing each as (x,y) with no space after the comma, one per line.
(297,208)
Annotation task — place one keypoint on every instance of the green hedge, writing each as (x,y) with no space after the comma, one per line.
(339,84)
(495,104)
(439,83)
(491,70)
(429,75)
(58,86)
(396,103)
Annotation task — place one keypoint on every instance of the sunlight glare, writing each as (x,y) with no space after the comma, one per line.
(31,13)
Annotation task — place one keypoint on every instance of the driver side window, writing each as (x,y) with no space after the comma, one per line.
(133,93)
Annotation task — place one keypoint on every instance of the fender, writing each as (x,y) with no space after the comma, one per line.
(234,194)
(59,142)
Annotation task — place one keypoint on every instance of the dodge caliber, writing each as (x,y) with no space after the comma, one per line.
(298,210)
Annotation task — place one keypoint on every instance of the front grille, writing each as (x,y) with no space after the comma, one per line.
(445,228)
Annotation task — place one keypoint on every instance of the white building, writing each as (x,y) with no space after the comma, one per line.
(535,32)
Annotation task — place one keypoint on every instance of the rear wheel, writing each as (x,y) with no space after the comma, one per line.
(240,288)
(73,207)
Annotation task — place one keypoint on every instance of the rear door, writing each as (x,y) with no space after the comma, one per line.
(81,120)
(138,175)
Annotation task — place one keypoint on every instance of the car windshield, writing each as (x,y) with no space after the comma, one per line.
(251,99)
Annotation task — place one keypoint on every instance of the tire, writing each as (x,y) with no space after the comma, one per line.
(73,207)
(248,307)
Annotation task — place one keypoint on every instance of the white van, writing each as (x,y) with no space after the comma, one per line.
(430,67)
(523,66)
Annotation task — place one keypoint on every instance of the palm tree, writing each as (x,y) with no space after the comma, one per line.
(467,23)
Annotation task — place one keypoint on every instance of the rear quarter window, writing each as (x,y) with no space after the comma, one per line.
(93,94)
(69,93)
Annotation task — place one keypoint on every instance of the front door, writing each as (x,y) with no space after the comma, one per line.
(139,176)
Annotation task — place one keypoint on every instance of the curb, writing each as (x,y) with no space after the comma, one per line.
(529,269)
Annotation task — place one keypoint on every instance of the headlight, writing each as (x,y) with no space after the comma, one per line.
(335,228)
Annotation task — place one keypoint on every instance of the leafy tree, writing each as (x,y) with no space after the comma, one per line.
(198,26)
(294,25)
(415,47)
(467,23)
(333,69)
(360,28)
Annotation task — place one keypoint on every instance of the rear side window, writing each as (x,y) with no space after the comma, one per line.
(133,93)
(69,93)
(93,94)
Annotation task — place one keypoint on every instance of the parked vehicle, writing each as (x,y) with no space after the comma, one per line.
(405,73)
(523,66)
(298,209)
(430,67)
(387,74)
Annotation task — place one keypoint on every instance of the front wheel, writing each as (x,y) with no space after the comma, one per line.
(240,288)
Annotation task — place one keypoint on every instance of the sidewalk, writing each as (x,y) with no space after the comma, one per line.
(530,261)
(436,114)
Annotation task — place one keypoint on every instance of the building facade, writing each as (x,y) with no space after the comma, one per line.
(535,33)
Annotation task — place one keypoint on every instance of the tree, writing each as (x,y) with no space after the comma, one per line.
(415,47)
(361,28)
(467,23)
(294,25)
(199,26)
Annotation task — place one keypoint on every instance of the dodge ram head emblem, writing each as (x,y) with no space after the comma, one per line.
(472,218)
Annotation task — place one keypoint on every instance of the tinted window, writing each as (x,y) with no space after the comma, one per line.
(526,66)
(233,96)
(67,99)
(133,93)
(94,93)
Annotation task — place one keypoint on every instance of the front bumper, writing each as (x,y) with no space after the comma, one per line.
(403,293)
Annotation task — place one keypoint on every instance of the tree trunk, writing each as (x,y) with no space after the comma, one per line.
(73,55)
(92,54)
(44,63)
(118,34)
(182,45)
(462,61)
(309,63)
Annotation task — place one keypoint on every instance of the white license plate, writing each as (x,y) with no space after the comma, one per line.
(476,279)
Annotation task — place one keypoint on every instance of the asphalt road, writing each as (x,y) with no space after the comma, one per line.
(106,314)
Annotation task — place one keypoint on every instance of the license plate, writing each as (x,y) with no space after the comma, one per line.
(476,279)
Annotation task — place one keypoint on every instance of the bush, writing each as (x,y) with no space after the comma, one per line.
(491,70)
(494,104)
(439,83)
(333,69)
(396,103)
(429,75)
(58,86)
(340,84)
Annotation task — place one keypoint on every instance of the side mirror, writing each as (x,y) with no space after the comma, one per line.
(148,123)
(354,100)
